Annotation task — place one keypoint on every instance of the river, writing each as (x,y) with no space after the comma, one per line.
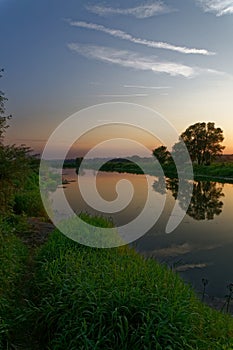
(200,247)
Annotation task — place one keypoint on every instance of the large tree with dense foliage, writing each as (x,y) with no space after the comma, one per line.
(203,141)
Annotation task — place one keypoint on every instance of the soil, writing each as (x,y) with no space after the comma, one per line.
(38,232)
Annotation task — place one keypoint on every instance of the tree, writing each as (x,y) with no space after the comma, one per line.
(162,154)
(179,153)
(16,163)
(3,118)
(203,142)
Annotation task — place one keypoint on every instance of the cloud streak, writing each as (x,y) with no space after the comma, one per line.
(149,43)
(143,11)
(122,95)
(219,7)
(147,87)
(132,60)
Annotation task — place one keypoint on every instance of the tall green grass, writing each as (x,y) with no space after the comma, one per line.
(13,258)
(89,298)
(28,200)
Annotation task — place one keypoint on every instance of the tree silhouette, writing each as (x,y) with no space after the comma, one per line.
(16,162)
(3,118)
(203,142)
(162,154)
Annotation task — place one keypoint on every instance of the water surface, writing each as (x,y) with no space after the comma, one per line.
(200,247)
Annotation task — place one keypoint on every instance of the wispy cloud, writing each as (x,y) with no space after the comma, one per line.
(132,60)
(137,61)
(219,7)
(145,10)
(149,43)
(147,87)
(123,95)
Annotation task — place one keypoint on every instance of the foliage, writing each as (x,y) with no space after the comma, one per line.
(78,162)
(121,166)
(28,200)
(17,168)
(203,142)
(85,298)
(180,153)
(162,154)
(215,170)
(3,119)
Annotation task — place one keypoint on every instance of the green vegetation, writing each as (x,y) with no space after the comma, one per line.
(64,295)
(162,155)
(19,198)
(88,298)
(19,178)
(218,171)
(203,141)
(3,118)
(121,166)
(13,258)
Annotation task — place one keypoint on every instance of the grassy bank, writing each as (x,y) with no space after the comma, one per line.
(64,295)
(69,296)
(218,171)
(13,260)
(85,298)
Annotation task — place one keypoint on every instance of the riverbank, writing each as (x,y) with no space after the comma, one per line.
(63,295)
(58,294)
(219,171)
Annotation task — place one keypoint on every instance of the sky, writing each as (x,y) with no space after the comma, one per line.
(61,56)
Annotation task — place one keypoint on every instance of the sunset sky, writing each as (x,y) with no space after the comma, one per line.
(59,57)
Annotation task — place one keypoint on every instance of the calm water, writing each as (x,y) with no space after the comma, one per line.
(200,247)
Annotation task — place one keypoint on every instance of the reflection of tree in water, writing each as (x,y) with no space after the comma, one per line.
(205,202)
(159,185)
